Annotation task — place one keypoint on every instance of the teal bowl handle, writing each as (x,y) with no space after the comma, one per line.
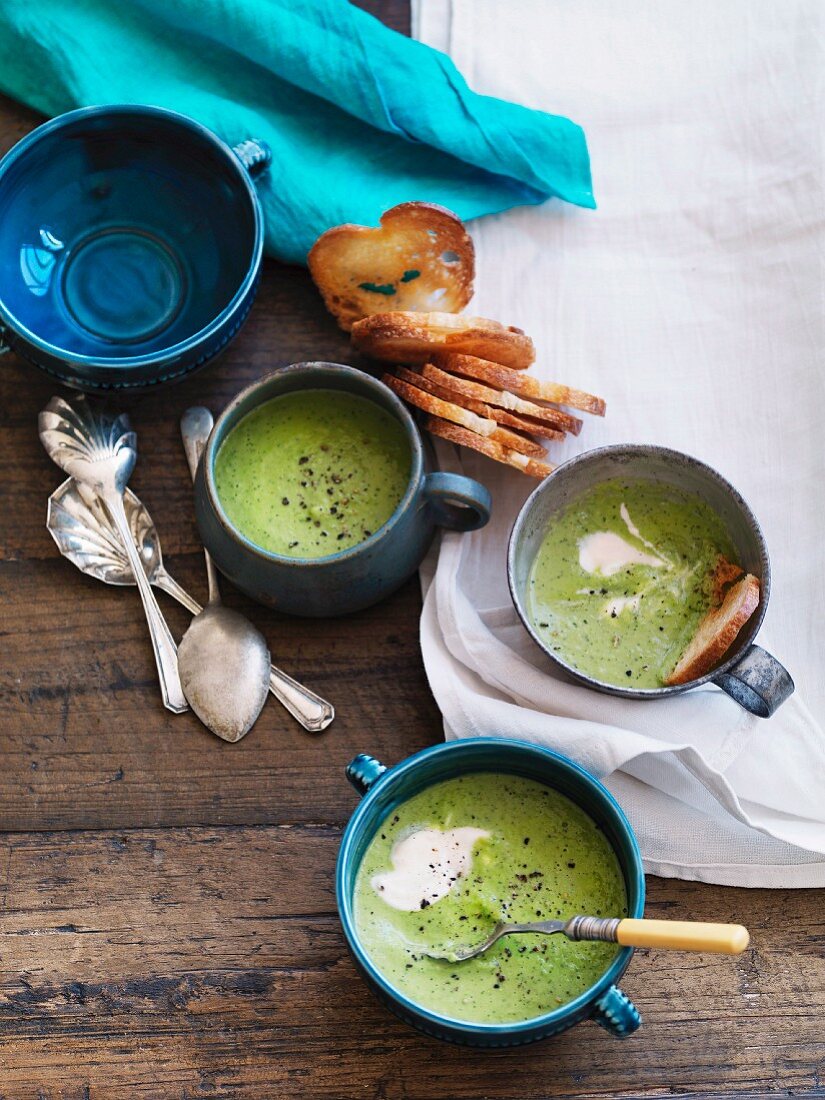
(459,502)
(254,155)
(362,771)
(617,1013)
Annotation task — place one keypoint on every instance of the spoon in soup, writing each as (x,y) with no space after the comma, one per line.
(673,935)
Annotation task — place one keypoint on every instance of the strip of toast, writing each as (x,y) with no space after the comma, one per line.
(717,632)
(405,337)
(449,411)
(540,415)
(490,412)
(454,433)
(419,258)
(724,574)
(494,374)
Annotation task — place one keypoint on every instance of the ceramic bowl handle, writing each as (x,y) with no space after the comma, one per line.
(758,682)
(459,502)
(617,1013)
(254,155)
(362,771)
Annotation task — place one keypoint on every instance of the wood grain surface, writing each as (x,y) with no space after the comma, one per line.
(167,922)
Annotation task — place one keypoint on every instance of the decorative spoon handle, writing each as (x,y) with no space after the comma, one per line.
(195,427)
(166,654)
(675,935)
(167,583)
(313,712)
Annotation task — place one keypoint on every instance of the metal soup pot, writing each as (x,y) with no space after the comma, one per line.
(337,583)
(750,675)
(384,789)
(130,245)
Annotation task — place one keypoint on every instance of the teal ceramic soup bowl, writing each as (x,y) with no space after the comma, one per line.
(384,789)
(130,245)
(355,578)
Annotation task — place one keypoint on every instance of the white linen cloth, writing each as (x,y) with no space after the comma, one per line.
(693,300)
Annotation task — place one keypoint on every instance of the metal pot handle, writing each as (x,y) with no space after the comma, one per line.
(254,155)
(758,682)
(4,341)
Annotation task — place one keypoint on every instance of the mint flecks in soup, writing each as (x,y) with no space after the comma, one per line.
(446,866)
(311,473)
(623,578)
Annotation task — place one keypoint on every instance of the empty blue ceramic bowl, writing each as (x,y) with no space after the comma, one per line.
(386,788)
(130,245)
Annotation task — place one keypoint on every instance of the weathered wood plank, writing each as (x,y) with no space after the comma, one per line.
(86,741)
(188,962)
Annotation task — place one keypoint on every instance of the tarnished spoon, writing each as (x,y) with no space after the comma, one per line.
(80,525)
(83,531)
(673,935)
(223,658)
(100,451)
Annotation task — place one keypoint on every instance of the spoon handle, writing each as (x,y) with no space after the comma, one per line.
(166,654)
(195,428)
(684,935)
(167,583)
(673,935)
(313,712)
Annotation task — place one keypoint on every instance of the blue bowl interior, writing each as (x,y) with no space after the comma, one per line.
(122,234)
(436,764)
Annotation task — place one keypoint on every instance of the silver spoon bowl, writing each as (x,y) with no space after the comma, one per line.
(83,532)
(223,659)
(100,450)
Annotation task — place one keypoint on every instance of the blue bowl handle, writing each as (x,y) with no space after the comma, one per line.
(758,682)
(362,771)
(459,502)
(254,155)
(617,1013)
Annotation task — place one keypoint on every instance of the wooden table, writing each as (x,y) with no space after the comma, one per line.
(168,923)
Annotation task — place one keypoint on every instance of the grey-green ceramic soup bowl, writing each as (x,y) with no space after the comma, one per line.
(383,789)
(355,578)
(750,675)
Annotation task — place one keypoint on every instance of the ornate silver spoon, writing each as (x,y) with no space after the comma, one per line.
(100,451)
(223,658)
(80,525)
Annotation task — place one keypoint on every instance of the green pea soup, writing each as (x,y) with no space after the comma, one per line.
(535,855)
(314,472)
(623,577)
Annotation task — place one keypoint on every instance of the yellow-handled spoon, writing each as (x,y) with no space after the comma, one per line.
(673,935)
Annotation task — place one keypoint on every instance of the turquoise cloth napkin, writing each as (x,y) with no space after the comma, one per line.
(358,117)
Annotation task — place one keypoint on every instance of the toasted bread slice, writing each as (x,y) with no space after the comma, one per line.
(449,411)
(725,573)
(454,433)
(494,374)
(490,412)
(717,631)
(403,337)
(420,258)
(540,415)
